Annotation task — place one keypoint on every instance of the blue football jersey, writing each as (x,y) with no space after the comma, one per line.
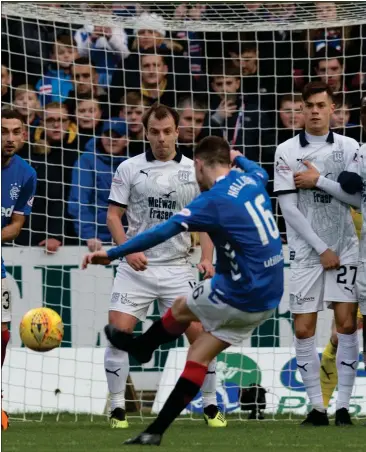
(237,214)
(18,186)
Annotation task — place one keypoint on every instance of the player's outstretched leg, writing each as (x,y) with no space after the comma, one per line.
(200,354)
(142,347)
(347,358)
(211,413)
(328,368)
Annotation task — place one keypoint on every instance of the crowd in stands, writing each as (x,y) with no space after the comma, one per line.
(83,90)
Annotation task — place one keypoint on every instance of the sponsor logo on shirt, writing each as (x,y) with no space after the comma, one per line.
(281,166)
(274,260)
(7,212)
(322,197)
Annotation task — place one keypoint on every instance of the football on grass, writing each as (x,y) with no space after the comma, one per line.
(41,329)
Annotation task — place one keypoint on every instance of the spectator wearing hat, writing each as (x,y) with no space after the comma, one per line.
(150,38)
(91,182)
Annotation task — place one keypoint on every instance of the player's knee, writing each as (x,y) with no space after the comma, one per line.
(122,321)
(304,331)
(347,326)
(334,338)
(4,326)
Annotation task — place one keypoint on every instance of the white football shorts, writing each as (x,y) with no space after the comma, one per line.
(361,287)
(221,320)
(5,302)
(311,287)
(133,292)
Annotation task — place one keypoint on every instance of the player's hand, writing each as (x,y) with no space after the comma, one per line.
(329,260)
(308,178)
(234,154)
(98,257)
(137,261)
(94,244)
(51,245)
(206,268)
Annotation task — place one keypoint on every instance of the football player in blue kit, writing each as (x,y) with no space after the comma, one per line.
(235,210)
(18,185)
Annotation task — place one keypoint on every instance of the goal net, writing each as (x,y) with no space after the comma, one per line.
(82,75)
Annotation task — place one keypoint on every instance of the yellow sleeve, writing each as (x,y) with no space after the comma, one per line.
(357,219)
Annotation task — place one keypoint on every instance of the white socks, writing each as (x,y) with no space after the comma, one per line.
(209,386)
(347,364)
(308,363)
(117,367)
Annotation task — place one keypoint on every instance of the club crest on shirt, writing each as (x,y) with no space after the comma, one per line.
(14,191)
(338,156)
(183,176)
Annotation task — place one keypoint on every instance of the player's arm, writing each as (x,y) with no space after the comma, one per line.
(22,208)
(284,187)
(118,202)
(12,230)
(248,166)
(197,216)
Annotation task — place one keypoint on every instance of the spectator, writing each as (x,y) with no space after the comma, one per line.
(340,120)
(254,84)
(132,112)
(85,79)
(192,119)
(55,85)
(329,66)
(29,45)
(91,182)
(291,118)
(53,157)
(6,88)
(105,46)
(26,102)
(195,50)
(243,125)
(88,120)
(150,39)
(156,84)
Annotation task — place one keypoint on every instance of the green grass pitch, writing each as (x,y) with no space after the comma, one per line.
(185,435)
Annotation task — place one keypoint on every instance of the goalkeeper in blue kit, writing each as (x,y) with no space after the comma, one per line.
(235,210)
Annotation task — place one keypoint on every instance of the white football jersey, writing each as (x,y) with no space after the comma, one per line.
(152,191)
(362,172)
(329,218)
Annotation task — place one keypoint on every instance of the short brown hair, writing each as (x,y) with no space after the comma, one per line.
(20,89)
(133,98)
(314,88)
(228,70)
(213,151)
(66,40)
(295,97)
(340,100)
(160,111)
(12,114)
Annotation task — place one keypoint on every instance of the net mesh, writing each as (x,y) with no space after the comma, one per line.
(233,70)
